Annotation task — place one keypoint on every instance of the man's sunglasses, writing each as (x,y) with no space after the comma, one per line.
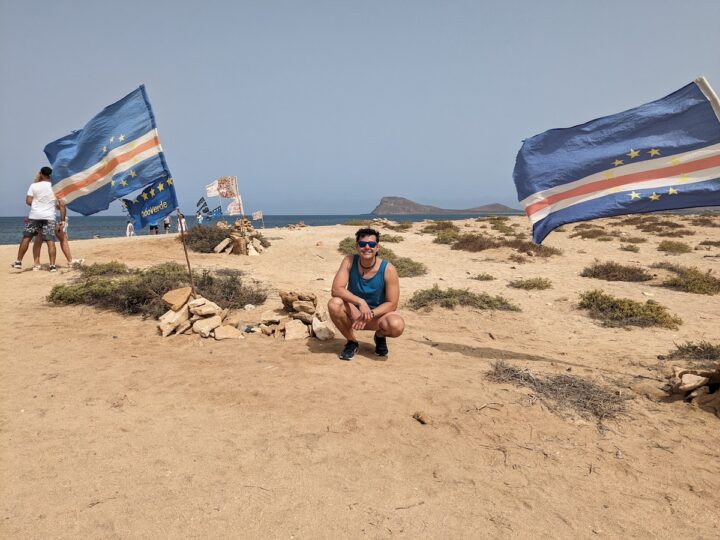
(363,243)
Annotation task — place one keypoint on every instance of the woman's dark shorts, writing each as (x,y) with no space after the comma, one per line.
(44,227)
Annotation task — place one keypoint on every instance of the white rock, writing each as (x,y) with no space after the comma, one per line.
(691,382)
(228,332)
(199,301)
(207,309)
(222,245)
(205,326)
(248,307)
(170,320)
(252,252)
(304,306)
(321,330)
(295,330)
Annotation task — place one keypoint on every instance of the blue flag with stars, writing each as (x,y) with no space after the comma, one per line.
(152,204)
(116,153)
(661,156)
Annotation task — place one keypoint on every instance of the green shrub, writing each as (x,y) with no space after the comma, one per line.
(401,226)
(103,269)
(612,271)
(502,228)
(690,279)
(446,237)
(405,266)
(675,248)
(531,284)
(438,226)
(392,238)
(635,240)
(450,298)
(483,277)
(141,291)
(617,312)
(358,223)
(479,242)
(714,243)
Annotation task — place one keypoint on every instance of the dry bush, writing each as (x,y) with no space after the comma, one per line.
(563,392)
(392,238)
(450,298)
(582,226)
(531,284)
(675,248)
(141,291)
(612,271)
(517,258)
(639,219)
(502,228)
(446,237)
(203,238)
(525,246)
(703,350)
(689,279)
(635,240)
(713,243)
(629,247)
(706,220)
(677,233)
(438,226)
(616,312)
(112,268)
(589,233)
(483,277)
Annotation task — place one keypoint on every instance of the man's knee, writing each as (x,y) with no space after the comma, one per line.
(336,306)
(393,326)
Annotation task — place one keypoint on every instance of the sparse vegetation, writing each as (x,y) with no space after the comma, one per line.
(589,233)
(517,258)
(112,268)
(673,247)
(502,228)
(405,266)
(450,298)
(566,392)
(689,279)
(141,291)
(703,350)
(713,243)
(635,240)
(483,277)
(203,238)
(392,238)
(446,237)
(612,271)
(706,220)
(618,312)
(531,284)
(479,242)
(629,247)
(439,226)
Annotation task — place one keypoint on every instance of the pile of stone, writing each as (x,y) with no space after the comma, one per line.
(188,315)
(701,387)
(300,318)
(298,225)
(383,223)
(242,239)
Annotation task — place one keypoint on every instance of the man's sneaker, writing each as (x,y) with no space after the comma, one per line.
(53,268)
(17,265)
(351,347)
(381,348)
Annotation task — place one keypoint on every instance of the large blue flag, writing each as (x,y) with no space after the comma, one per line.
(662,155)
(116,153)
(151,205)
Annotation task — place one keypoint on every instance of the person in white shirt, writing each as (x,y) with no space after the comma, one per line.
(130,230)
(182,224)
(41,200)
(61,232)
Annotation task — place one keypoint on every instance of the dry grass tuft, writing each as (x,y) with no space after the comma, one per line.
(673,247)
(612,271)
(438,226)
(483,277)
(450,298)
(713,243)
(623,312)
(629,247)
(563,392)
(539,284)
(703,350)
(706,220)
(689,279)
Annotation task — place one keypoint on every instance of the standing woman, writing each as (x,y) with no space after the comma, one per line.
(61,227)
(182,224)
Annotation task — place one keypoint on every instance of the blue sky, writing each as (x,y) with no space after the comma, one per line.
(326,106)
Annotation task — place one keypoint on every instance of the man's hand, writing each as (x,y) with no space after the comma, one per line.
(366,313)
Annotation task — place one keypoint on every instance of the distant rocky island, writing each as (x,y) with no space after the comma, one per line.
(401,205)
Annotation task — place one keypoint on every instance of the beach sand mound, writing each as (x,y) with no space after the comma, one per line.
(110,430)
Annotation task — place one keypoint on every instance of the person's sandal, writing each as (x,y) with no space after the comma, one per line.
(381,348)
(351,348)
(36,267)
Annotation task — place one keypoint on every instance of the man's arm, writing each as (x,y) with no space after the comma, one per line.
(339,288)
(63,211)
(392,292)
(28,200)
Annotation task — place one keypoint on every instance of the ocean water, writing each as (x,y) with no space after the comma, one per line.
(84,227)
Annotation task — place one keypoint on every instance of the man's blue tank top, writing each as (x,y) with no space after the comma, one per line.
(371,290)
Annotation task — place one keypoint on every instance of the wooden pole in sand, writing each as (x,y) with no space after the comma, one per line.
(182,230)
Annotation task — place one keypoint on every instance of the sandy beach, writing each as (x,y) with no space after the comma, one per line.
(108,430)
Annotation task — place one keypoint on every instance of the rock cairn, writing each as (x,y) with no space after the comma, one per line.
(198,315)
(299,319)
(701,387)
(298,225)
(242,239)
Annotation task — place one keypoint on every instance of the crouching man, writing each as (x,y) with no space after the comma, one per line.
(365,294)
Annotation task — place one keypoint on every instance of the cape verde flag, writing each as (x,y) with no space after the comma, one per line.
(662,155)
(116,153)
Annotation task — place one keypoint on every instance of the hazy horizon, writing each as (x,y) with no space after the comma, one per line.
(324,107)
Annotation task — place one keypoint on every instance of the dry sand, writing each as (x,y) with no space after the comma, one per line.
(108,430)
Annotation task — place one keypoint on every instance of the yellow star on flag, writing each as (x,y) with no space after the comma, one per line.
(144,196)
(672,191)
(169,181)
(615,189)
(633,153)
(654,197)
(104,149)
(683,179)
(618,162)
(112,182)
(123,183)
(133,174)
(112,139)
(152,192)
(121,138)
(675,161)
(634,195)
(654,152)
(609,175)
(161,186)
